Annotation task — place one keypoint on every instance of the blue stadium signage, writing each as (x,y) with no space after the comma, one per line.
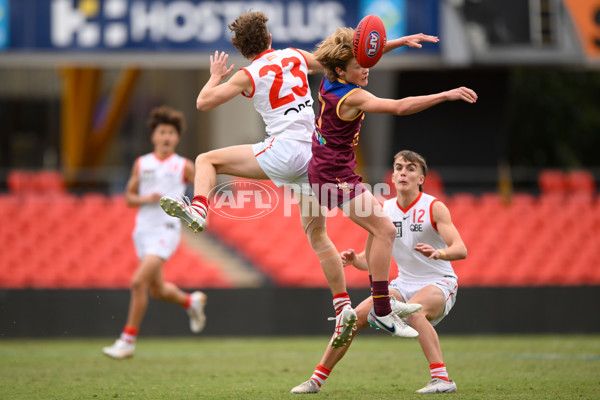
(181,25)
(164,24)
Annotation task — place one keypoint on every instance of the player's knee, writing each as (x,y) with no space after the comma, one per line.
(201,159)
(419,316)
(318,237)
(138,284)
(156,292)
(387,232)
(319,240)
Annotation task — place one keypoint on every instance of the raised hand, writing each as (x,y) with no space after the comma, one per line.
(218,66)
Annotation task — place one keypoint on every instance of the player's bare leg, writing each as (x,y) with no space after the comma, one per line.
(148,278)
(124,347)
(365,211)
(314,221)
(235,160)
(333,355)
(433,301)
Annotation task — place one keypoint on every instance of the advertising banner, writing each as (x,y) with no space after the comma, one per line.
(586,15)
(191,25)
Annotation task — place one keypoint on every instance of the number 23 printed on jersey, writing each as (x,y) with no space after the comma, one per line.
(275,96)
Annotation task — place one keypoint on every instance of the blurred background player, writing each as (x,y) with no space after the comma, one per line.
(156,236)
(331,169)
(282,157)
(425,243)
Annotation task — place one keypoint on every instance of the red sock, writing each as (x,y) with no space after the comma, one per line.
(129,334)
(340,300)
(131,330)
(200,204)
(381,298)
(188,301)
(438,370)
(320,375)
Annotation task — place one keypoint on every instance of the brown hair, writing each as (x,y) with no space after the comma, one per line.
(166,115)
(251,36)
(413,157)
(335,52)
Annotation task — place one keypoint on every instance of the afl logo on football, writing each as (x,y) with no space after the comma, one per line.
(372,44)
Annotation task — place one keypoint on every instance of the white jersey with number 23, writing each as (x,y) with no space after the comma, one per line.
(281,93)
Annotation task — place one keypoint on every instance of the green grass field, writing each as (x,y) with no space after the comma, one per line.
(377,367)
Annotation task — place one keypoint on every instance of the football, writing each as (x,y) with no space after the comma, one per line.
(369,40)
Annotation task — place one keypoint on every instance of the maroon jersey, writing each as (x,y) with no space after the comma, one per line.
(333,144)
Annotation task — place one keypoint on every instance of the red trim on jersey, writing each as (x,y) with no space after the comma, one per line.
(162,159)
(138,161)
(411,204)
(303,56)
(431,214)
(183,171)
(251,80)
(262,54)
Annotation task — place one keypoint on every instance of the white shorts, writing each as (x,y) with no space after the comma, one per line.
(448,286)
(160,242)
(285,161)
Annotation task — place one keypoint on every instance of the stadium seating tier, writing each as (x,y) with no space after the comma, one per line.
(550,239)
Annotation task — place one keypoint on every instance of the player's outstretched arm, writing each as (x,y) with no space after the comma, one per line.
(364,100)
(214,93)
(410,41)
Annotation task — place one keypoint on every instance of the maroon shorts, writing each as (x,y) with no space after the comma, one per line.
(334,193)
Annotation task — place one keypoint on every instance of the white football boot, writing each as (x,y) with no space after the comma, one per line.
(120,350)
(392,324)
(344,323)
(196,312)
(310,386)
(437,385)
(183,210)
(403,310)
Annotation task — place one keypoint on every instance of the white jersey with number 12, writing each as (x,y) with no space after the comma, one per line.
(415,225)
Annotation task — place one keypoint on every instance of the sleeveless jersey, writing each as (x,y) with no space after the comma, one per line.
(281,93)
(415,225)
(335,138)
(166,177)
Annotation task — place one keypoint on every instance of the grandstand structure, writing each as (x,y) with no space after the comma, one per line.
(68,135)
(56,240)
